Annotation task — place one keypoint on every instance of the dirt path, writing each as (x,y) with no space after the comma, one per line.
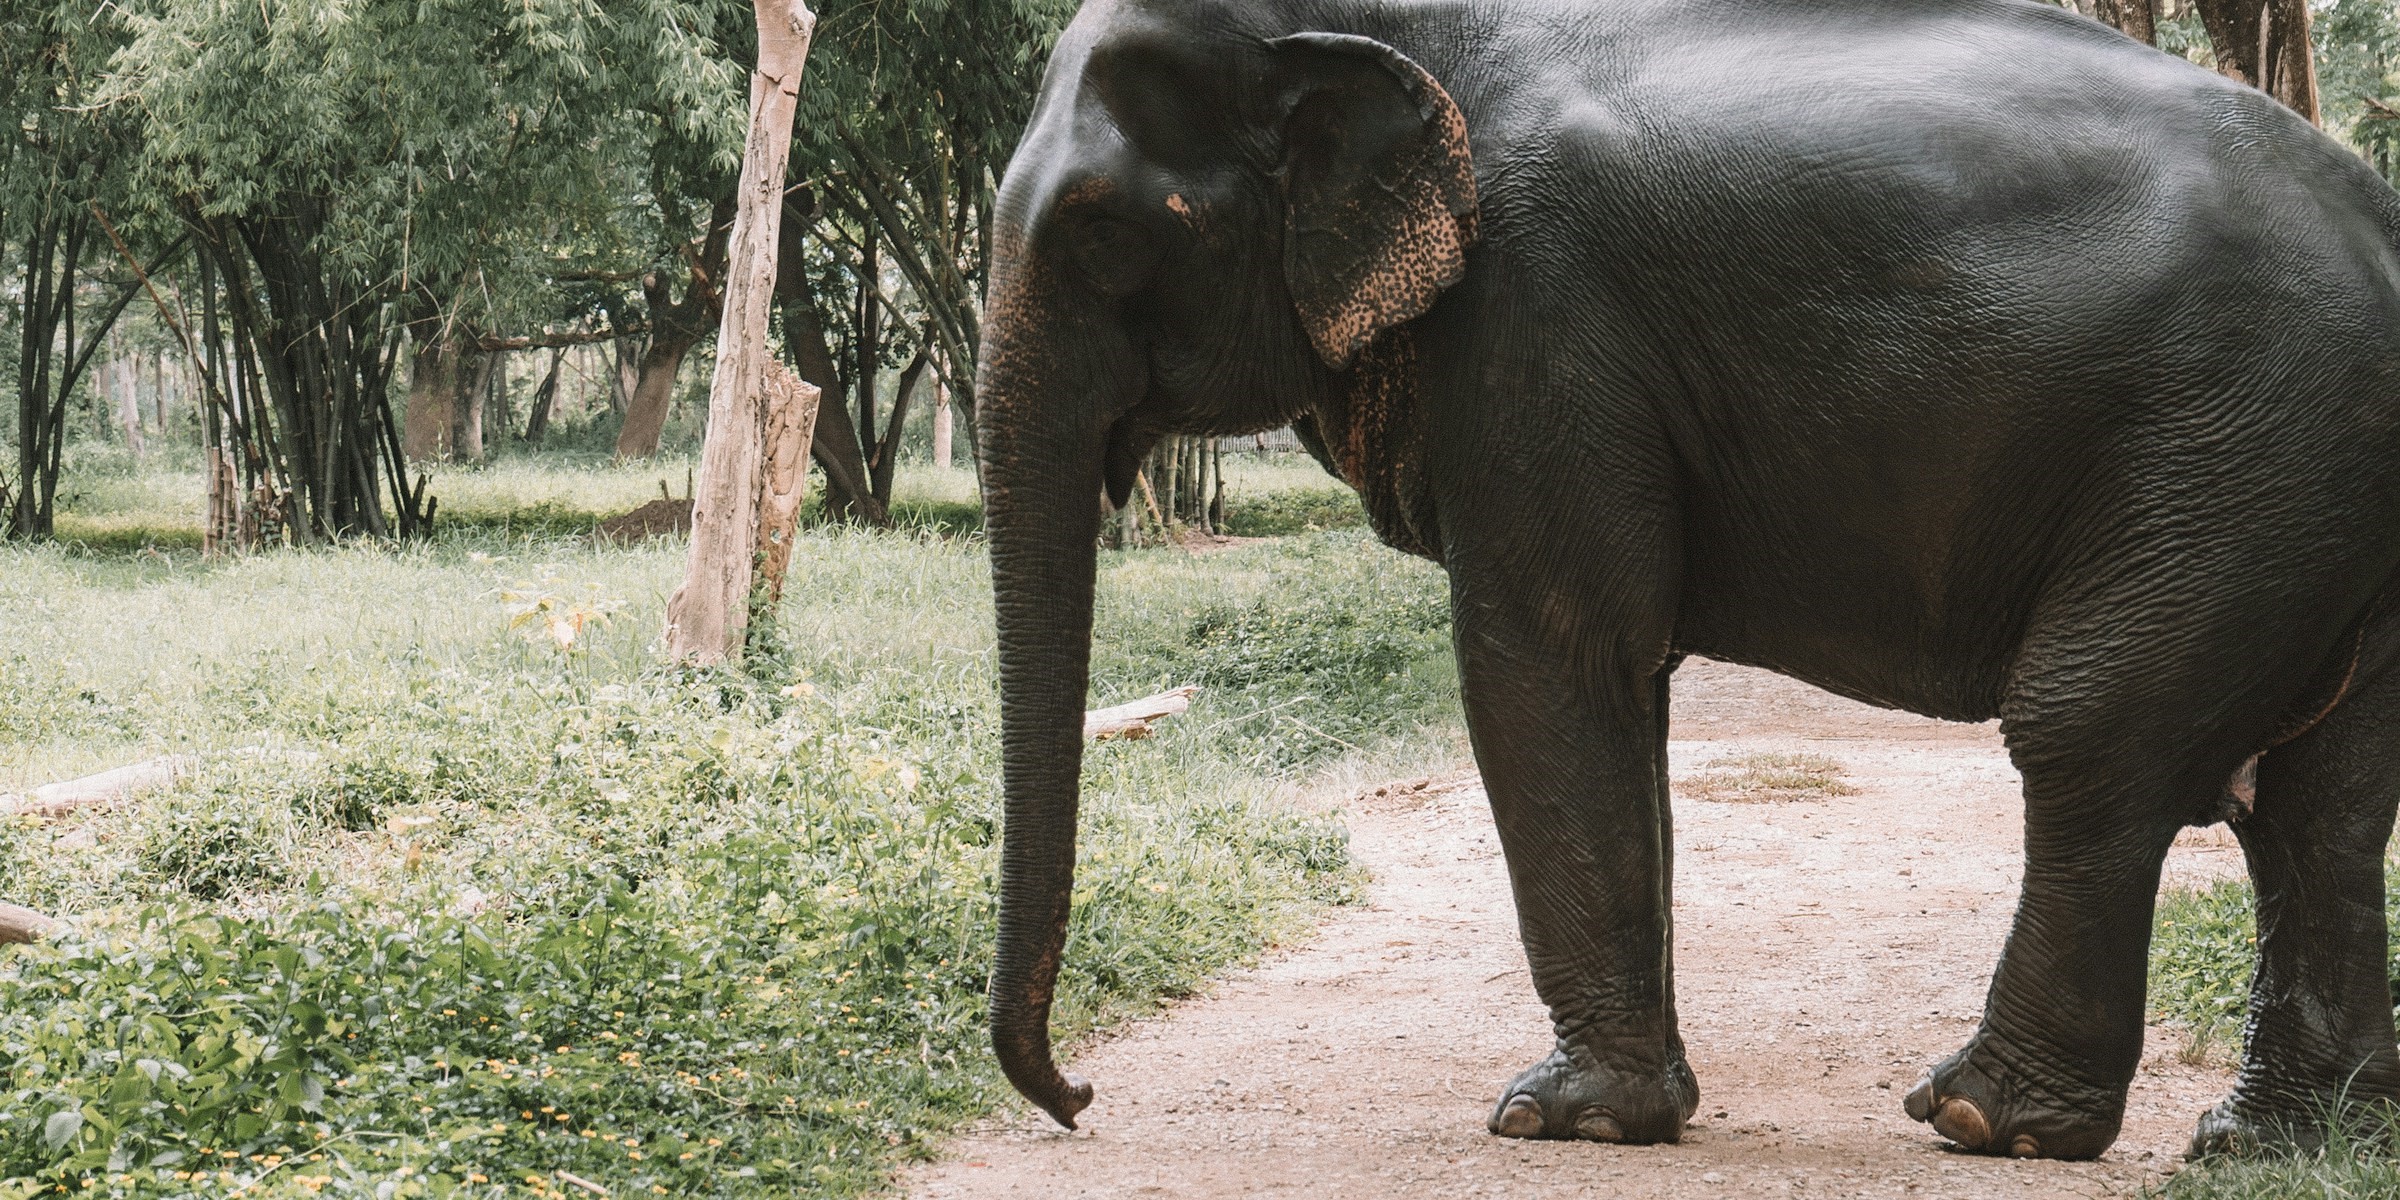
(1827,951)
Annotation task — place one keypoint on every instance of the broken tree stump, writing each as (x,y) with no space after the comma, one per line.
(1133,721)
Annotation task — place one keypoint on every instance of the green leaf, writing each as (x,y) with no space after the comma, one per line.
(60,1129)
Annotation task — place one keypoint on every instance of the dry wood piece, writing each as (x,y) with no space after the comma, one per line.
(23,926)
(1133,721)
(586,1184)
(53,800)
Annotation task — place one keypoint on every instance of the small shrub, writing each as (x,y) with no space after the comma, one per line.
(1769,779)
(217,842)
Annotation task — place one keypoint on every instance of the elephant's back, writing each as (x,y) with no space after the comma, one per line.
(1946,301)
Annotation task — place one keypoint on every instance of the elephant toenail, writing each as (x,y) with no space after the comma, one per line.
(1597,1125)
(1521,1117)
(1919,1101)
(2025,1146)
(1959,1120)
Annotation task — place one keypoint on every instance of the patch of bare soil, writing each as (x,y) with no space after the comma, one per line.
(1829,947)
(659,518)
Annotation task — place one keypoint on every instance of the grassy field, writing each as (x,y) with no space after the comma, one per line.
(112,503)
(446,909)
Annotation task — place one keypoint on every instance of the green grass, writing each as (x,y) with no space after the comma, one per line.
(445,901)
(2356,1163)
(2202,951)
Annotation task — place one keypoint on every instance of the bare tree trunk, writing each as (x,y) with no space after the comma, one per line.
(709,614)
(2136,19)
(2264,43)
(425,432)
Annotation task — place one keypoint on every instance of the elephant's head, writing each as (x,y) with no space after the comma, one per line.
(1202,230)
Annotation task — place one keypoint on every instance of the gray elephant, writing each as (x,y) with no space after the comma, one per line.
(1958,356)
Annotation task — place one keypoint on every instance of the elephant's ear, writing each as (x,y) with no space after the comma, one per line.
(1379,189)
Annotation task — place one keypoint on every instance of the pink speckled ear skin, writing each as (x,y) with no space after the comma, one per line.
(1370,242)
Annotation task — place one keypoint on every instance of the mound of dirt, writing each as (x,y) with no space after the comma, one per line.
(659,518)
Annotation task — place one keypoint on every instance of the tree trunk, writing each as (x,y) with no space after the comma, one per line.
(886,462)
(835,445)
(869,328)
(941,425)
(2264,43)
(675,327)
(474,380)
(126,372)
(432,389)
(2136,19)
(709,614)
(23,926)
(537,421)
(653,394)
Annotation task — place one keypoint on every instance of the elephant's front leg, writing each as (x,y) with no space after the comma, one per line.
(1569,745)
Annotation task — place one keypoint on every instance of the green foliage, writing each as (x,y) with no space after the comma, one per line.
(1360,657)
(2358,71)
(1298,511)
(2203,945)
(430,878)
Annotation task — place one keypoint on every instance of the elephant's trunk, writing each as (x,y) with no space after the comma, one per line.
(1040,435)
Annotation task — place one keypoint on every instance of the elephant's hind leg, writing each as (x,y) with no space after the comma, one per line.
(2114,738)
(2320,1037)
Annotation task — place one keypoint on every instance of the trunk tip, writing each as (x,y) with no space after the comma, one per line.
(1072,1096)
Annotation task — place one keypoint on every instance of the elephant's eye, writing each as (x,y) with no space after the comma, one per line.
(1116,255)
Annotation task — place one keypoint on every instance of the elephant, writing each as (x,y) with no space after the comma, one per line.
(1963,357)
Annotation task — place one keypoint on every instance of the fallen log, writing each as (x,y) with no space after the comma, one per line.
(23,926)
(1133,721)
(54,800)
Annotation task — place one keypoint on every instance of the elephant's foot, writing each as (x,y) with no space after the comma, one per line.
(1975,1100)
(2239,1126)
(1572,1094)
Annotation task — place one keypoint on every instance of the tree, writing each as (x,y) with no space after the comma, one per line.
(357,171)
(709,614)
(2265,43)
(61,162)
